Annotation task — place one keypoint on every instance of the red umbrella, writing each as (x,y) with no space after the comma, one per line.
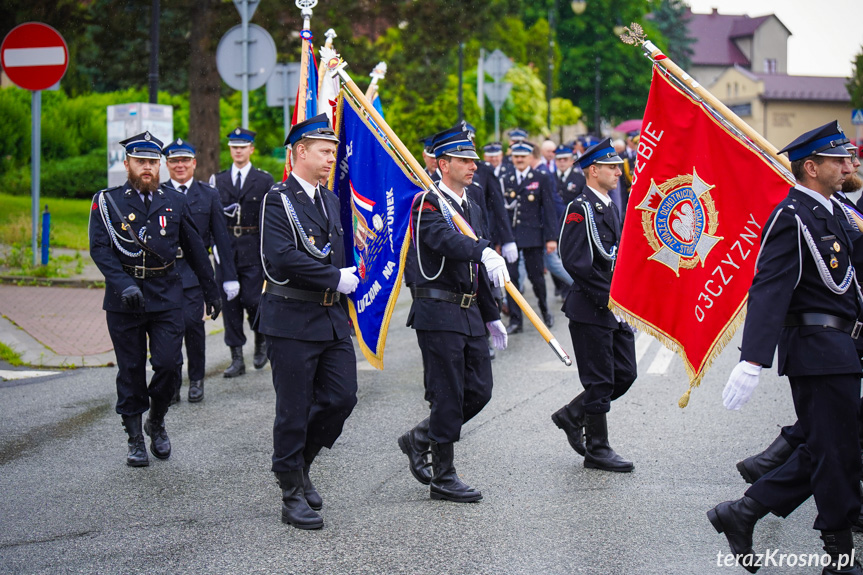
(629,126)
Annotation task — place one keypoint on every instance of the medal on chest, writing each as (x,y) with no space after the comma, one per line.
(163,222)
(834,263)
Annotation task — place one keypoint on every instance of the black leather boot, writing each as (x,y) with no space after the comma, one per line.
(737,519)
(295,509)
(598,454)
(775,455)
(176,397)
(313,498)
(546,317)
(137,454)
(160,445)
(415,444)
(196,390)
(260,358)
(238,366)
(572,424)
(840,546)
(445,483)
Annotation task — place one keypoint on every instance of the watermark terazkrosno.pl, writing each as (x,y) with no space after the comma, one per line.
(776,559)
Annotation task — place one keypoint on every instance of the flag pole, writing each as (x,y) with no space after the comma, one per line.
(378,73)
(337,67)
(634,34)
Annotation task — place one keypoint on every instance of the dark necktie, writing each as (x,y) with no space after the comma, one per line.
(319,205)
(239,183)
(147,201)
(183,188)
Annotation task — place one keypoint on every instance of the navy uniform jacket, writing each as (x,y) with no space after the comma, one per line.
(246,247)
(462,272)
(531,210)
(160,293)
(206,209)
(587,299)
(788,282)
(486,191)
(287,258)
(570,187)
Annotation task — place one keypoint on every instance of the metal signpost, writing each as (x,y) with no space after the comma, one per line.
(34,57)
(857,121)
(282,89)
(496,66)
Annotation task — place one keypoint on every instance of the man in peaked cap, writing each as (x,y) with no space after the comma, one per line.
(529,200)
(570,181)
(604,346)
(452,312)
(804,299)
(135,232)
(206,209)
(301,313)
(241,189)
(428,156)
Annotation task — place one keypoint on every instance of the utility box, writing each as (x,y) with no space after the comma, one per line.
(127,120)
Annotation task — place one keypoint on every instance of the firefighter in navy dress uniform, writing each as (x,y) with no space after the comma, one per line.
(604,345)
(241,190)
(570,181)
(529,200)
(301,313)
(805,298)
(135,232)
(206,209)
(453,311)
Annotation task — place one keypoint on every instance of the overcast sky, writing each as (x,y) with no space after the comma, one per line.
(825,35)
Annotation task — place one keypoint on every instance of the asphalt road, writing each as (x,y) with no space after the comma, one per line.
(71,505)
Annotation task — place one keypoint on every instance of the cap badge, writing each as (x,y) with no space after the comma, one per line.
(179,142)
(147,136)
(237,131)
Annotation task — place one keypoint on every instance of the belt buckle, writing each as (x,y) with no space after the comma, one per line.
(856,331)
(238,231)
(329,298)
(466,300)
(140,273)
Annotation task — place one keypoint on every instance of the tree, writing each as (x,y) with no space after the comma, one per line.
(855,83)
(671,18)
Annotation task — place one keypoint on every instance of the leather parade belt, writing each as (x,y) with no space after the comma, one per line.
(243,230)
(464,300)
(325,298)
(142,273)
(849,326)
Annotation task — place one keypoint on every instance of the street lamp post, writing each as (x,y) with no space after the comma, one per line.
(596,120)
(552,11)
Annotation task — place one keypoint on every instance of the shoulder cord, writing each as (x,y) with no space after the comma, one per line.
(822,267)
(847,211)
(444,210)
(293,229)
(233,211)
(295,220)
(593,231)
(116,239)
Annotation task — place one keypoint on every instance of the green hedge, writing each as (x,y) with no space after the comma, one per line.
(74,177)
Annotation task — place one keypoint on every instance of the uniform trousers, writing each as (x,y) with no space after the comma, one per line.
(457,378)
(316,391)
(534,264)
(193,318)
(827,465)
(129,333)
(605,357)
(251,284)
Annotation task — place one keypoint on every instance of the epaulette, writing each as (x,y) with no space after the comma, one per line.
(109,189)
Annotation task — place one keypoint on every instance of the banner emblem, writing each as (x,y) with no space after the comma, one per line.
(679,220)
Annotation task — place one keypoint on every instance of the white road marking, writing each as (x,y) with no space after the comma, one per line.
(642,343)
(9,375)
(660,363)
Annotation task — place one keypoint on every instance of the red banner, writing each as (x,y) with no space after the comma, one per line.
(699,200)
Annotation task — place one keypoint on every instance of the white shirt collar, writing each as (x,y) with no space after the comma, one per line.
(307,187)
(565,174)
(177,184)
(522,175)
(459,200)
(606,199)
(244,171)
(816,196)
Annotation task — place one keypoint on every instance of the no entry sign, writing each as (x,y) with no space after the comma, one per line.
(34,56)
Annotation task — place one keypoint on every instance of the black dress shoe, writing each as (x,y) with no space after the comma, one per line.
(196,390)
(548,319)
(737,519)
(313,498)
(238,366)
(160,444)
(514,327)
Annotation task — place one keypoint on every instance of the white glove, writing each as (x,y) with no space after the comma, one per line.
(216,255)
(510,252)
(348,282)
(495,265)
(232,289)
(498,333)
(741,383)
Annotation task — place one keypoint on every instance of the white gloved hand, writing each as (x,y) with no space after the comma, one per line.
(216,255)
(495,265)
(498,333)
(348,282)
(510,252)
(232,289)
(741,383)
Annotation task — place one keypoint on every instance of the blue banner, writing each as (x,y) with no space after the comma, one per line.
(375,191)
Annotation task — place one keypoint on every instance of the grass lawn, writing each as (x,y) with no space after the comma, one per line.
(68,221)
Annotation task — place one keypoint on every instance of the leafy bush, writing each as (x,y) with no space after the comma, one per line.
(73,177)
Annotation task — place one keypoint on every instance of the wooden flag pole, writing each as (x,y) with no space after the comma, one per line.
(635,35)
(337,67)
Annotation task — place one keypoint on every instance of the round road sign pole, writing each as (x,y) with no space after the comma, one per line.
(245,72)
(35,155)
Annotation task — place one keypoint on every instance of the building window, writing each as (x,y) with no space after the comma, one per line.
(770,65)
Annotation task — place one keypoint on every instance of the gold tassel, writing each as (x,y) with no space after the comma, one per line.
(684,400)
